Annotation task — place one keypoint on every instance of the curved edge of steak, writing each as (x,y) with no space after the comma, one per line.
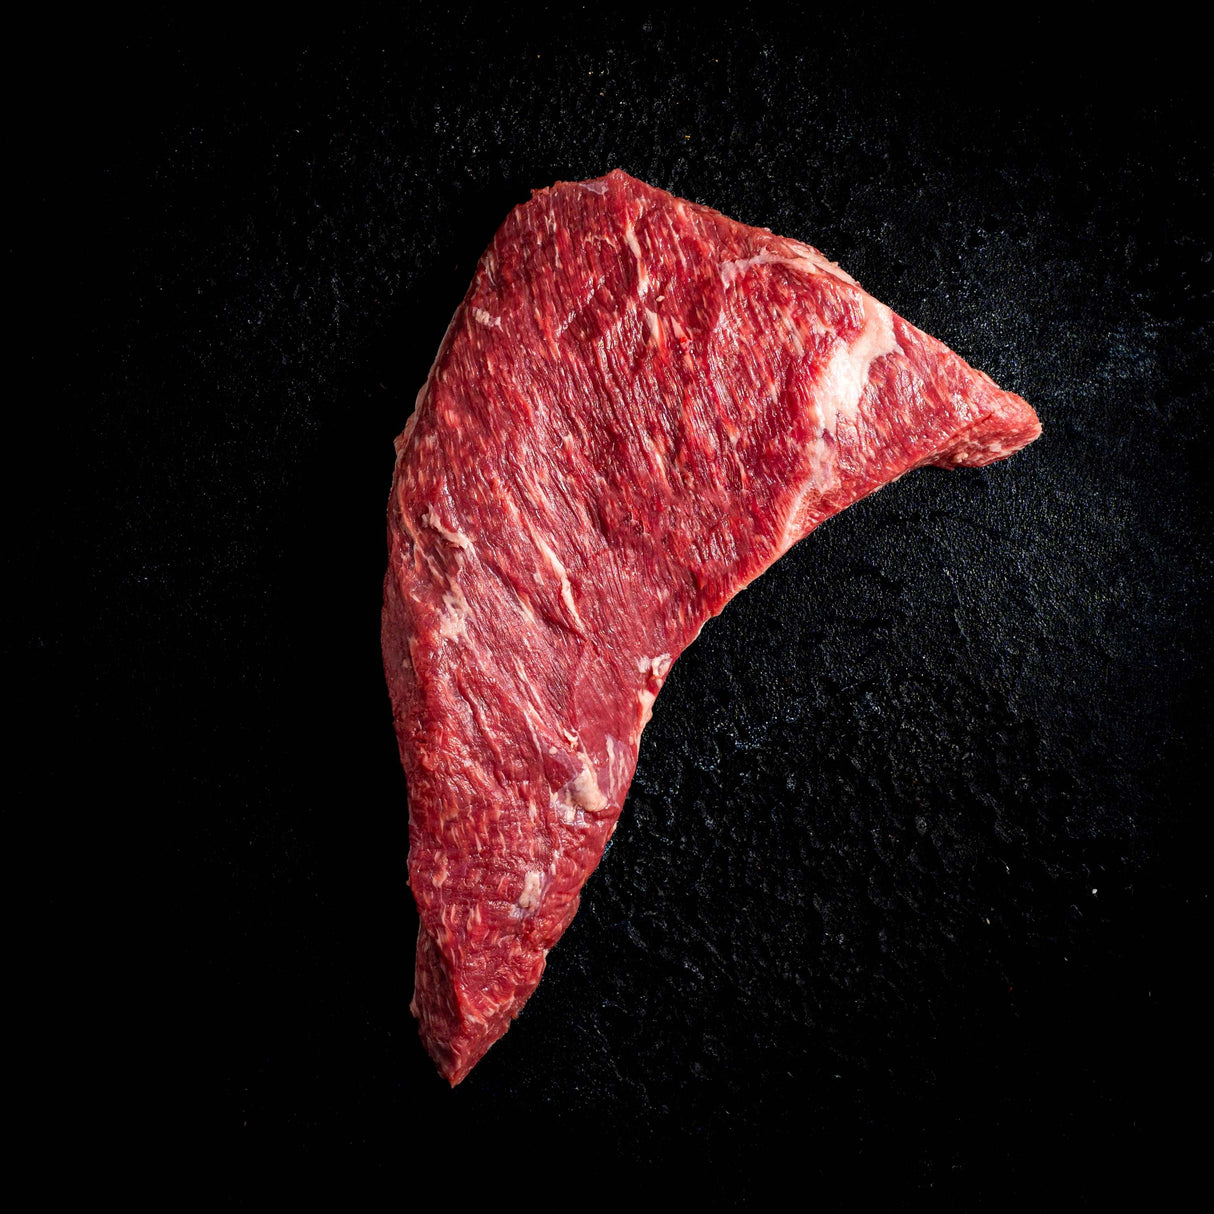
(638,407)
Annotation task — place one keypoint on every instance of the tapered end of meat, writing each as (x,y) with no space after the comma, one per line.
(984,423)
(455,1026)
(1007,424)
(999,435)
(443,1026)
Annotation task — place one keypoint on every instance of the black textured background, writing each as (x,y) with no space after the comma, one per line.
(910,892)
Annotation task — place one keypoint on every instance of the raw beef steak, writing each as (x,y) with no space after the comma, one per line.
(639,406)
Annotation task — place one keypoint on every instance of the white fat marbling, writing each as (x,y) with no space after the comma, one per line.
(554,563)
(580,795)
(430,519)
(841,386)
(533,884)
(453,619)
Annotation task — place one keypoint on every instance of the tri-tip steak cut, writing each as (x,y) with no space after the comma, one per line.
(639,405)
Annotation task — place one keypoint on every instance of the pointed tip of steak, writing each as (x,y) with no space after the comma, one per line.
(444,1027)
(1010,425)
(454,1029)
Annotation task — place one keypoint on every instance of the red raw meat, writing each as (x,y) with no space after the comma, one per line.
(639,406)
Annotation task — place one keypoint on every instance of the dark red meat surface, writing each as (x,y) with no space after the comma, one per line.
(638,407)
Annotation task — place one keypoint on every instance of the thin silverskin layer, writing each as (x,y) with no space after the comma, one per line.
(638,407)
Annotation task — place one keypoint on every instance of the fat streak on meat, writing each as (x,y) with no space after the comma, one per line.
(638,407)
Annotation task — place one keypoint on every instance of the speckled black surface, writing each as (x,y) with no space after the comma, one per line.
(910,889)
